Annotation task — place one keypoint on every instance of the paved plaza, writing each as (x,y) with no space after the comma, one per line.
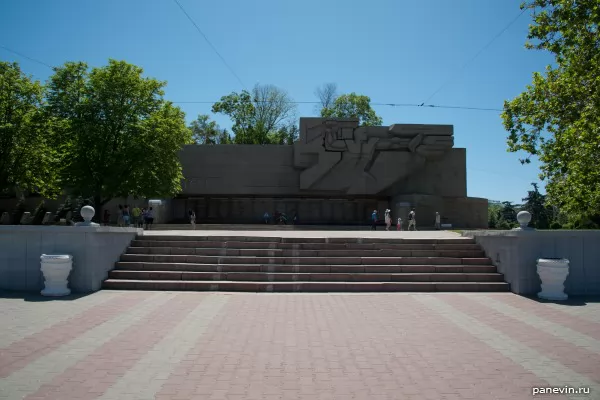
(181,345)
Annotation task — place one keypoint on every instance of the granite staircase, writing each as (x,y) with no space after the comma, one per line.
(276,264)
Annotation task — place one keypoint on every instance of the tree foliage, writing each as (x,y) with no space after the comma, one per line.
(28,157)
(258,116)
(121,137)
(541,213)
(557,118)
(353,106)
(205,131)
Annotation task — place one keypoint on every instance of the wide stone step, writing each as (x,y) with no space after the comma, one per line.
(302,246)
(305,276)
(306,260)
(300,240)
(315,268)
(223,252)
(311,286)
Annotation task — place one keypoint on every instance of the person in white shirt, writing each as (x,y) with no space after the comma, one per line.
(412,220)
(388,219)
(438,221)
(399,224)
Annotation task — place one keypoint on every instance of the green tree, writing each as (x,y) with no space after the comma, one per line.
(257,116)
(28,158)
(535,203)
(353,106)
(285,135)
(122,137)
(205,131)
(225,137)
(494,214)
(557,118)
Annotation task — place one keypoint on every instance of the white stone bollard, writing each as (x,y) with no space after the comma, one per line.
(553,272)
(523,218)
(56,270)
(87,213)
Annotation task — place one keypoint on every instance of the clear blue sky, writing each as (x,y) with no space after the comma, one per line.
(395,51)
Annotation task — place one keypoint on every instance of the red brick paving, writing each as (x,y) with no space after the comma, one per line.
(534,307)
(578,359)
(313,347)
(30,348)
(361,347)
(90,378)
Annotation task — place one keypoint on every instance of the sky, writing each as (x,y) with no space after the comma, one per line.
(394,51)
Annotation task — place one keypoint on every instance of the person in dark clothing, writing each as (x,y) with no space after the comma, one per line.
(374,218)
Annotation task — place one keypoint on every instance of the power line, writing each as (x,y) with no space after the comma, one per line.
(476,55)
(373,104)
(24,56)
(295,102)
(209,43)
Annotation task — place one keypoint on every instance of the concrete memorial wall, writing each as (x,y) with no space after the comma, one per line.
(336,173)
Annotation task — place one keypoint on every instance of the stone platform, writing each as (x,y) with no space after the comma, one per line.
(305,261)
(199,346)
(232,231)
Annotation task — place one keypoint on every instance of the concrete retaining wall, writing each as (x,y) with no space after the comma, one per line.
(94,249)
(515,253)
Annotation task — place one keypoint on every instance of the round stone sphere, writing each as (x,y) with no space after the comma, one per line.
(524,217)
(87,213)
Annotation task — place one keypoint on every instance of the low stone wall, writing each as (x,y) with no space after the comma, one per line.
(94,249)
(515,254)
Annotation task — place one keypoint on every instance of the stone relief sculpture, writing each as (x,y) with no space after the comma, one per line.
(337,155)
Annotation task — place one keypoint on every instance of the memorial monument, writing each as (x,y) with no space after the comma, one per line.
(336,173)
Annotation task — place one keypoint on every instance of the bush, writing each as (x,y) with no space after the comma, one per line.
(503,225)
(555,225)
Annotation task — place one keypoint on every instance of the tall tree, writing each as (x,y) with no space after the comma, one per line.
(124,138)
(353,106)
(258,115)
(535,203)
(274,108)
(557,117)
(285,135)
(28,158)
(205,131)
(327,93)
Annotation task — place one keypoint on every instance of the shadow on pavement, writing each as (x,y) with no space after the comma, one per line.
(573,301)
(36,297)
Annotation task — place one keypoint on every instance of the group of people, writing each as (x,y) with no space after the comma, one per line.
(136,217)
(412,220)
(279,218)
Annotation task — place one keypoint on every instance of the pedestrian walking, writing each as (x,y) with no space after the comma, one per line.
(192,216)
(388,219)
(374,218)
(412,220)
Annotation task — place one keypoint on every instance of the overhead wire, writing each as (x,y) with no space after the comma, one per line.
(372,104)
(27,57)
(293,102)
(475,56)
(209,43)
